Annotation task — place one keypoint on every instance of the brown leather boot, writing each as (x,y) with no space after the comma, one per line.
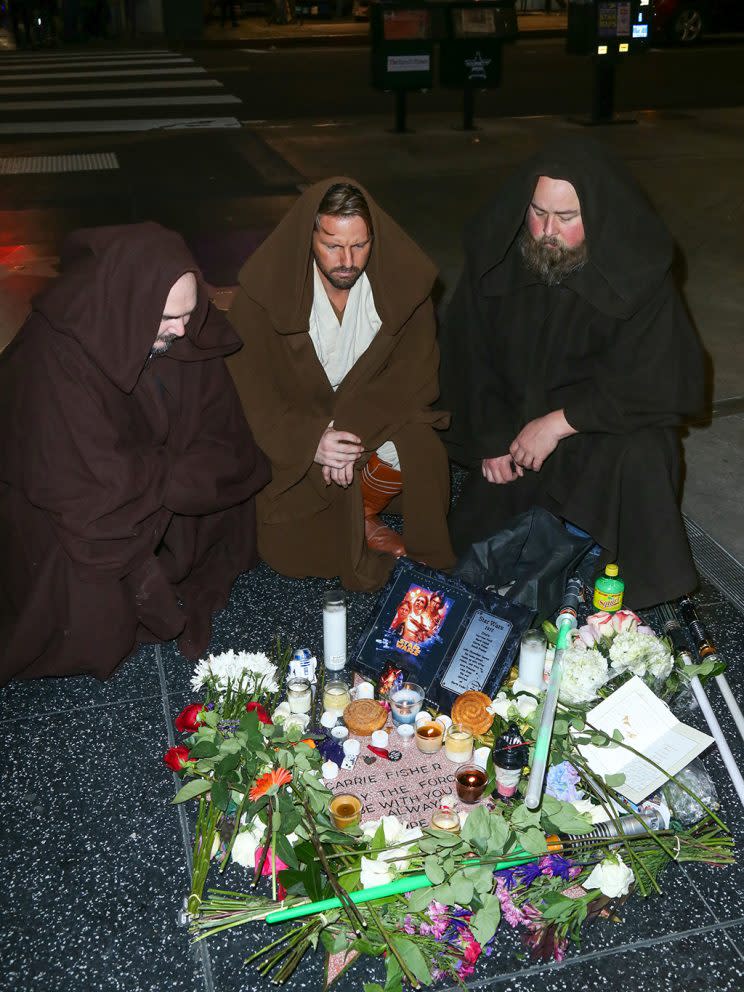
(380,483)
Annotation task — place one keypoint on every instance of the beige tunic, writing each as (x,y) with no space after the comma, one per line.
(339,347)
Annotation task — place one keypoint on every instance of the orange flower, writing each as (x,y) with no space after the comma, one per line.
(309,741)
(278,777)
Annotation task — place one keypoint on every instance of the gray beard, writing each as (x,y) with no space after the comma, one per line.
(550,265)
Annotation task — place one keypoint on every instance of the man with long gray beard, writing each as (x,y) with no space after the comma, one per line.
(569,364)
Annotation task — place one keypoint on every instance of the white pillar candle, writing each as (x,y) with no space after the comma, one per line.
(334,630)
(532,659)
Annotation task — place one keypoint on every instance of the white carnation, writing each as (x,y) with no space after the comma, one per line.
(612,877)
(584,671)
(257,673)
(640,654)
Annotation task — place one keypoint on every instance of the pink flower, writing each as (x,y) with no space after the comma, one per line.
(472,952)
(408,926)
(587,635)
(602,623)
(643,629)
(624,620)
(513,916)
(280,866)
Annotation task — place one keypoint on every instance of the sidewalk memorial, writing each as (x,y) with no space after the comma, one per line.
(366,847)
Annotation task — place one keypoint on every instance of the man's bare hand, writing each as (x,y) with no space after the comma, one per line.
(341,476)
(338,449)
(538,440)
(500,470)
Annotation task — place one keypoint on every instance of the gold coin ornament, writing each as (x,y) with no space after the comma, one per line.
(471,710)
(364,716)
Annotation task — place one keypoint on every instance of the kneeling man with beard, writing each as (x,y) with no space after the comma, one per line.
(337,381)
(569,364)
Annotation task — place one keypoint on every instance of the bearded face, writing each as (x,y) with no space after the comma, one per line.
(549,258)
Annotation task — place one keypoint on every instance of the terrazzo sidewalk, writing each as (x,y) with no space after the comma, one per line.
(96,859)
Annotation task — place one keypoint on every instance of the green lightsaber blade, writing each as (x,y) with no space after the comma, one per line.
(398,887)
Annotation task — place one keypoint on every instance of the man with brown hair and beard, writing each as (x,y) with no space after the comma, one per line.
(337,380)
(569,363)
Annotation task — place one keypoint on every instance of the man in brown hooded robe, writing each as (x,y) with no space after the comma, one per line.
(337,380)
(128,470)
(569,363)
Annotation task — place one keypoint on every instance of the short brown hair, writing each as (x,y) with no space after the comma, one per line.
(344,200)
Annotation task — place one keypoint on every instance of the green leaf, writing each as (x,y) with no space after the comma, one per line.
(560,727)
(394,980)
(414,959)
(499,833)
(485,922)
(462,890)
(285,851)
(334,944)
(522,818)
(372,986)
(196,787)
(433,870)
(419,900)
(228,764)
(220,795)
(614,781)
(532,840)
(204,748)
(617,735)
(481,877)
(476,831)
(564,818)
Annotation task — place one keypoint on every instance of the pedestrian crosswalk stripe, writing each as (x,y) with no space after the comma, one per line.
(180,71)
(116,101)
(77,56)
(92,127)
(97,64)
(36,164)
(158,84)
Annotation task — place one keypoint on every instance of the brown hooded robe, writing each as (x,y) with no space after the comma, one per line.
(126,482)
(305,527)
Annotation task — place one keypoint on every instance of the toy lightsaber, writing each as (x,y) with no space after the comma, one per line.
(706,650)
(395,888)
(565,623)
(673,629)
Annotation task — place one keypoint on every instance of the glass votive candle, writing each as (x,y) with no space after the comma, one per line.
(404,732)
(532,651)
(429,737)
(458,743)
(445,819)
(406,702)
(470,781)
(336,696)
(299,695)
(346,811)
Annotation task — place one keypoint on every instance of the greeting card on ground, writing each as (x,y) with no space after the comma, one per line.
(648,726)
(446,635)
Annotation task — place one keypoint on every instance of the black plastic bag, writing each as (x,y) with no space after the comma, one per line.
(533,554)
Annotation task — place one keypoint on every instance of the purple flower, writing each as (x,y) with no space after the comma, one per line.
(408,926)
(508,876)
(512,915)
(562,781)
(528,873)
(555,866)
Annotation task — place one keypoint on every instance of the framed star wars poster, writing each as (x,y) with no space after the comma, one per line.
(441,633)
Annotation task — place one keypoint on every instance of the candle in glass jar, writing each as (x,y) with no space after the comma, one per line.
(429,737)
(446,819)
(336,696)
(470,781)
(458,743)
(299,696)
(406,702)
(532,652)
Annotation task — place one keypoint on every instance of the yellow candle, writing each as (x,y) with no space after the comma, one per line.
(336,696)
(458,743)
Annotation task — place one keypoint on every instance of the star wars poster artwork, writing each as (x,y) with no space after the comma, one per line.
(437,631)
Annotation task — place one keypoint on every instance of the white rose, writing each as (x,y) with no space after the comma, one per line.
(596,812)
(500,706)
(281,713)
(296,720)
(525,705)
(375,873)
(247,843)
(612,877)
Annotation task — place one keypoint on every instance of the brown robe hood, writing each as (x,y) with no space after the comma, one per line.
(306,527)
(126,482)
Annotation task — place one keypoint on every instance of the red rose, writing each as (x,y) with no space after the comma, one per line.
(188,720)
(177,758)
(472,952)
(260,712)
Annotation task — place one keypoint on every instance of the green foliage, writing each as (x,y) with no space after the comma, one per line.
(485,922)
(414,959)
(196,787)
(559,817)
